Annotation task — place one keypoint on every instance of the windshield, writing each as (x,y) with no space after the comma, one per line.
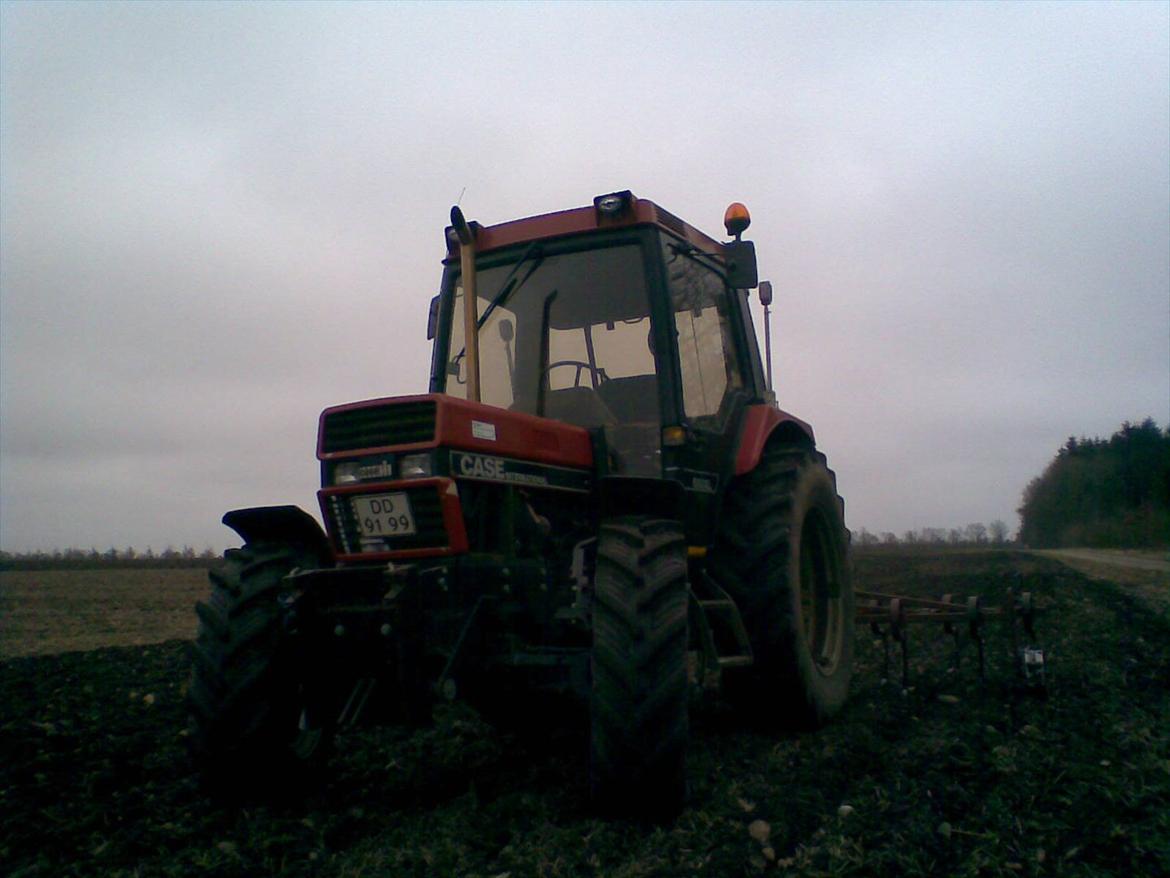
(569,339)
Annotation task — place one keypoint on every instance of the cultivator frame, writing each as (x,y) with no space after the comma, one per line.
(890,616)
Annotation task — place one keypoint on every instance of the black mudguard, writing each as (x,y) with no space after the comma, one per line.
(289,525)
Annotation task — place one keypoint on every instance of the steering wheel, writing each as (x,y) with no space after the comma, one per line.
(596,374)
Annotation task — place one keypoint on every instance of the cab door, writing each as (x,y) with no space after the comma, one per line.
(713,382)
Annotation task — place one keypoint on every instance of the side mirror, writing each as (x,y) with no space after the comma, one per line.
(766,293)
(433,319)
(741,264)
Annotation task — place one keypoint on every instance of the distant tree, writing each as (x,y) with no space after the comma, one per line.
(954,536)
(976,533)
(1103,492)
(998,532)
(889,539)
(910,537)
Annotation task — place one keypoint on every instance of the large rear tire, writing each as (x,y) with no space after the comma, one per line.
(253,724)
(639,697)
(782,552)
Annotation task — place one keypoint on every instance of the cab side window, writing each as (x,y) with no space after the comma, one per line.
(706,350)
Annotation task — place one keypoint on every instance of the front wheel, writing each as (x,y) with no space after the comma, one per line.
(639,696)
(782,552)
(253,721)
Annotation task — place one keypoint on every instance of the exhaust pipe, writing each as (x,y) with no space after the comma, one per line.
(766,300)
(470,300)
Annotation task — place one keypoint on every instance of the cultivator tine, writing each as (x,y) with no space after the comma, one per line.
(975,629)
(1030,660)
(888,619)
(900,632)
(949,628)
(890,616)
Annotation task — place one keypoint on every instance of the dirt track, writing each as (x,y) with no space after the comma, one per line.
(950,778)
(1146,575)
(1155,561)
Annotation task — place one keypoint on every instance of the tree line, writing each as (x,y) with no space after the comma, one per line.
(1109,493)
(73,558)
(974,534)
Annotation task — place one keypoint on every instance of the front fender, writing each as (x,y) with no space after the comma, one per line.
(761,423)
(289,525)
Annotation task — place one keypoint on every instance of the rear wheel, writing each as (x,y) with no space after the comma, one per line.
(782,554)
(253,720)
(639,696)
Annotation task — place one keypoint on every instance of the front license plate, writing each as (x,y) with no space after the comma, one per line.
(383,515)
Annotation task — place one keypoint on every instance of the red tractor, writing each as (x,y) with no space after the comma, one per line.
(597,496)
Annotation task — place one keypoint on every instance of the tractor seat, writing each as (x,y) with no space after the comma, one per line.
(633,399)
(580,406)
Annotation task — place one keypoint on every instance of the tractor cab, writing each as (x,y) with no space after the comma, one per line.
(619,318)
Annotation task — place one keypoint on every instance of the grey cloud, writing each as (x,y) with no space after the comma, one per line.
(217,219)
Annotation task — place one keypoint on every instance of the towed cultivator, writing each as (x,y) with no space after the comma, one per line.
(890,617)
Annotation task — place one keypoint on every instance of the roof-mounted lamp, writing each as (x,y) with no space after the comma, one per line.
(740,255)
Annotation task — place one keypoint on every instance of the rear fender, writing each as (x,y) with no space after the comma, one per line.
(289,525)
(762,424)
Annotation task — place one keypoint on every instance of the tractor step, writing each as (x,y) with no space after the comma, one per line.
(715,611)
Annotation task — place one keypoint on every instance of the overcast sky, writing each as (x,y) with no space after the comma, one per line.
(216,219)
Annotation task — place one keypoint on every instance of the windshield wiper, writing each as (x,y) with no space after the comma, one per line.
(693,253)
(509,286)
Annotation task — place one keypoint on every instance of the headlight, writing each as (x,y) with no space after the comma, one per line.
(367,469)
(346,473)
(415,466)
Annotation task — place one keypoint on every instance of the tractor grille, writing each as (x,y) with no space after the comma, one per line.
(378,426)
(428,521)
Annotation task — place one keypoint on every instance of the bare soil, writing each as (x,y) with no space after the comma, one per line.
(51,611)
(950,777)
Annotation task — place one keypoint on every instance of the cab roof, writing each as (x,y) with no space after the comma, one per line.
(632,212)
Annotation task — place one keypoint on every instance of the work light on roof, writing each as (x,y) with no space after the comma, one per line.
(613,205)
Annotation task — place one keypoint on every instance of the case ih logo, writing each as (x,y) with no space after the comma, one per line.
(380,470)
(485,468)
(476,466)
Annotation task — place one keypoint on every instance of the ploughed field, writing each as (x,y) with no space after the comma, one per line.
(951,777)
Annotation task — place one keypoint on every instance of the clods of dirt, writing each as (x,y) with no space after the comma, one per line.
(948,777)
